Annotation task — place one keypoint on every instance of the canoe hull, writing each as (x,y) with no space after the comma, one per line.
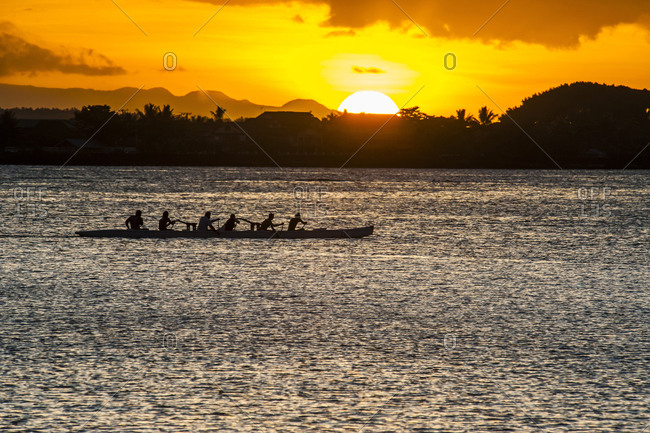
(244,234)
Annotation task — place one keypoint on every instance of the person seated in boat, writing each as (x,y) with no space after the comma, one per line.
(293,222)
(268,223)
(134,222)
(165,222)
(231,223)
(205,223)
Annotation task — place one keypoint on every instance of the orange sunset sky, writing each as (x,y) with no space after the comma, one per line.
(271,52)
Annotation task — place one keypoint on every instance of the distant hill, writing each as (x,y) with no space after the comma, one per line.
(195,102)
(586,124)
(584,102)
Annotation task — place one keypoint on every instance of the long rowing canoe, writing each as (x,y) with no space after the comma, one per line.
(236,234)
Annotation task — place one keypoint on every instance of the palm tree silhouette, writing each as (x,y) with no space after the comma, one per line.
(464,119)
(218,115)
(167,113)
(150,112)
(486,116)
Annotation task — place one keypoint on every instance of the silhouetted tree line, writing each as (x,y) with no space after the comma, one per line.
(44,113)
(578,125)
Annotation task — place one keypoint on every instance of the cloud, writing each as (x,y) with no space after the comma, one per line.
(338,33)
(557,23)
(18,56)
(362,70)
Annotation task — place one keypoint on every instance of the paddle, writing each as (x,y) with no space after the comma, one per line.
(187,225)
(253,225)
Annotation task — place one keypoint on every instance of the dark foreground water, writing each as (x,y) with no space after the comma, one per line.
(486,301)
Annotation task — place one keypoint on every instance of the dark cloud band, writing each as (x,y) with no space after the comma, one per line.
(554,23)
(20,56)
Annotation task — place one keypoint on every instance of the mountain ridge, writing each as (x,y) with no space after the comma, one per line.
(194,102)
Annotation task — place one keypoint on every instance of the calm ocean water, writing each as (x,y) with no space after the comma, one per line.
(486,301)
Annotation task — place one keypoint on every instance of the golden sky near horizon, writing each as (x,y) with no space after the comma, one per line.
(271,52)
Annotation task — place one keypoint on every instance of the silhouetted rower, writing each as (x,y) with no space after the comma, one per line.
(268,223)
(205,223)
(231,223)
(293,222)
(165,222)
(134,222)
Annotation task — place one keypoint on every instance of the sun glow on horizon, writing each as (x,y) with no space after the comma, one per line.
(370,102)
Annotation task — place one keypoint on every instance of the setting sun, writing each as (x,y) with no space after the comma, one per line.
(369,102)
